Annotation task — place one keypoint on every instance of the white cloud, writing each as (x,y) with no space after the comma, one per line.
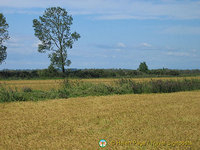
(113,56)
(117,9)
(36,43)
(178,54)
(21,11)
(123,16)
(121,45)
(21,45)
(26,4)
(13,42)
(194,50)
(182,30)
(145,45)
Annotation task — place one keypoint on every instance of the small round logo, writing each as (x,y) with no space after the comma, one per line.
(102,143)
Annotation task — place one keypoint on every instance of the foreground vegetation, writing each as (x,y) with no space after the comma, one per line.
(49,84)
(79,123)
(76,88)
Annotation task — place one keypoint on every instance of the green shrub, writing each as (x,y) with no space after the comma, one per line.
(168,86)
(26,89)
(129,86)
(63,93)
(9,95)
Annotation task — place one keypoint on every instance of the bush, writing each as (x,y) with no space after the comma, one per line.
(26,89)
(168,86)
(129,86)
(9,95)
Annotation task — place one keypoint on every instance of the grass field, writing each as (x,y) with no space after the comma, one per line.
(55,84)
(79,123)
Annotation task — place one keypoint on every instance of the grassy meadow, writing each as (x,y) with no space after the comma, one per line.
(55,84)
(144,120)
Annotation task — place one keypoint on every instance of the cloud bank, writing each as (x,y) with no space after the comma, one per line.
(115,9)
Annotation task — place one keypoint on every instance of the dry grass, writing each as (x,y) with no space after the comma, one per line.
(33,84)
(79,123)
(50,84)
(103,80)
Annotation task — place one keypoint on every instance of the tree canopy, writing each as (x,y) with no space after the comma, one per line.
(3,37)
(53,30)
(143,67)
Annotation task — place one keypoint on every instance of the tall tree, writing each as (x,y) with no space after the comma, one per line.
(3,37)
(143,67)
(53,30)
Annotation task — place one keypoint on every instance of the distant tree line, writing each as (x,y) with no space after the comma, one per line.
(51,72)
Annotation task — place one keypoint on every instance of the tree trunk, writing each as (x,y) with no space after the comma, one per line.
(62,59)
(63,68)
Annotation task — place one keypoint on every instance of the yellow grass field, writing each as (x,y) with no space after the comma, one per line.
(50,84)
(146,121)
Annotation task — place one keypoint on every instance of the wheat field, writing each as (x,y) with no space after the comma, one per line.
(146,121)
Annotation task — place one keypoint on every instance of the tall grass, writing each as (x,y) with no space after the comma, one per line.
(128,86)
(168,86)
(27,94)
(79,88)
(9,95)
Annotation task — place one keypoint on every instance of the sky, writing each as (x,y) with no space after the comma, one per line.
(114,33)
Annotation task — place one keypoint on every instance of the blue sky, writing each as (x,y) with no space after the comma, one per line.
(114,33)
